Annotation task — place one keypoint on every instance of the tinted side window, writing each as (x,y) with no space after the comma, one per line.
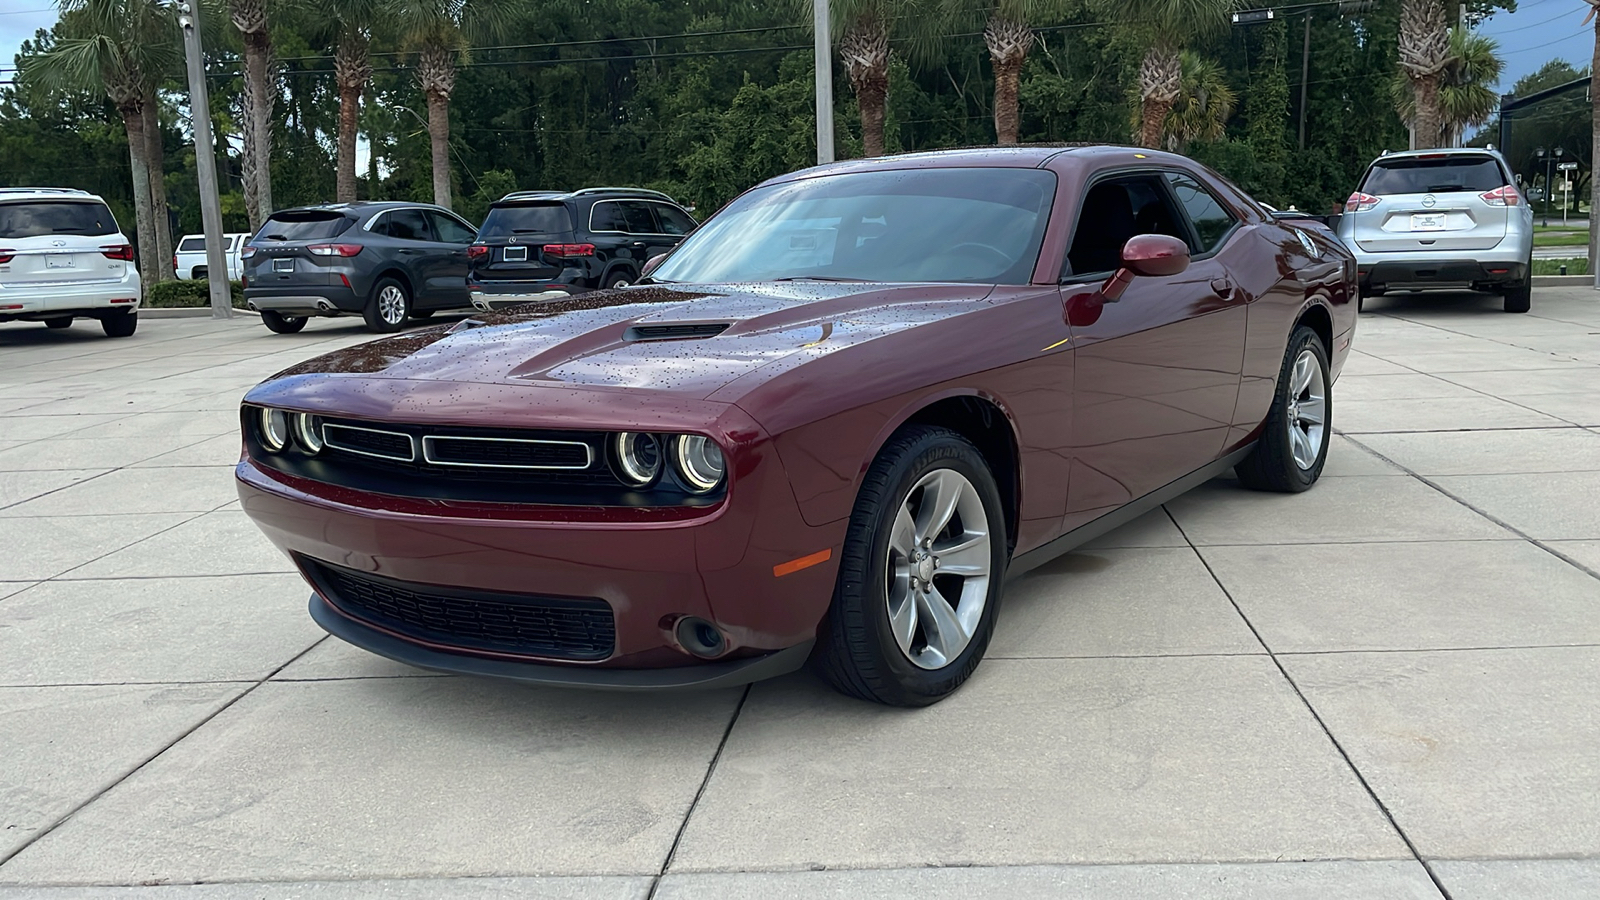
(1211,221)
(449,230)
(673,220)
(408,225)
(188,245)
(1114,211)
(607,216)
(637,216)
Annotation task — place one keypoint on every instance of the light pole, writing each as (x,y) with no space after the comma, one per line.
(824,52)
(205,162)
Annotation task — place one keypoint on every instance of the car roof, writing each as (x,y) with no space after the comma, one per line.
(45,193)
(1020,156)
(360,206)
(1442,151)
(583,193)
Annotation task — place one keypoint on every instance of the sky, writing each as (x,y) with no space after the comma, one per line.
(1539,31)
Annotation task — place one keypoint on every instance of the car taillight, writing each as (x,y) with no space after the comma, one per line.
(1360,202)
(334,249)
(244,280)
(568,249)
(247,252)
(1505,196)
(123,252)
(7,256)
(477,251)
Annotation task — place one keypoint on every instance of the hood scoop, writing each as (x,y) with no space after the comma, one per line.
(677,332)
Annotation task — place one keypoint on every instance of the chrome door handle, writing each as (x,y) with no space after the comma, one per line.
(1223,288)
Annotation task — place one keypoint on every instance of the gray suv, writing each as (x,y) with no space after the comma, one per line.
(1441,219)
(383,261)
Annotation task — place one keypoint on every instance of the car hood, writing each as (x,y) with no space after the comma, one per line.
(641,337)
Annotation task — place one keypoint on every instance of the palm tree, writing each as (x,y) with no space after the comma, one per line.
(1201,110)
(1168,24)
(1465,94)
(121,47)
(250,17)
(348,25)
(1424,53)
(1008,35)
(439,32)
(864,27)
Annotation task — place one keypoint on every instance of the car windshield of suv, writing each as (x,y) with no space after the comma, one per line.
(526,218)
(965,225)
(1439,176)
(303,225)
(40,217)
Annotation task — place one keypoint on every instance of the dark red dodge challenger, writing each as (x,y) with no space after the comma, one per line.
(830,426)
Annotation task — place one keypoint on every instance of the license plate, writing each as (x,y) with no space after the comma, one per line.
(516,254)
(283,265)
(58,260)
(1427,222)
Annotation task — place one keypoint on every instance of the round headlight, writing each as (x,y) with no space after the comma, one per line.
(307,433)
(638,457)
(700,462)
(274,429)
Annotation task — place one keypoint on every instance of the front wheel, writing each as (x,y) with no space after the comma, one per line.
(920,576)
(278,323)
(1293,446)
(388,307)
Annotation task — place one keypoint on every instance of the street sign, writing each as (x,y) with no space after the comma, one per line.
(1566,166)
(1254,16)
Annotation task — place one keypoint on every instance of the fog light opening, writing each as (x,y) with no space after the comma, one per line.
(700,638)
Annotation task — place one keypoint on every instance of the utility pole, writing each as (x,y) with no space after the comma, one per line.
(824,45)
(1305,75)
(205,161)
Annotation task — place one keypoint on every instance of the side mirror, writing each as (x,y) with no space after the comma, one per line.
(1147,256)
(652,264)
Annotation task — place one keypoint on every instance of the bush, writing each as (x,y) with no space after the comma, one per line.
(178,294)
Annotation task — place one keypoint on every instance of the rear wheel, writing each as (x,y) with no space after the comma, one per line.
(120,324)
(920,576)
(1294,441)
(63,322)
(421,313)
(278,323)
(388,306)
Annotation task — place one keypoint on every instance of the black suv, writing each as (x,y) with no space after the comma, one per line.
(384,261)
(539,244)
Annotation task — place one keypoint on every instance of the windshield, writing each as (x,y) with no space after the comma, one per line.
(38,217)
(1439,176)
(965,225)
(308,225)
(532,218)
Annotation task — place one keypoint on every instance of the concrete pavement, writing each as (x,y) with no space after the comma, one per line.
(1382,688)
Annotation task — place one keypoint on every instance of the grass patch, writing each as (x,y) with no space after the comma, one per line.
(186,294)
(1560,239)
(1553,266)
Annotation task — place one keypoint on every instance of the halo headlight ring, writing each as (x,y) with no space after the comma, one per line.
(274,425)
(639,457)
(700,463)
(308,433)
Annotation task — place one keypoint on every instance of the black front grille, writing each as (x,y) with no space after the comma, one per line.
(387,444)
(527,625)
(506,453)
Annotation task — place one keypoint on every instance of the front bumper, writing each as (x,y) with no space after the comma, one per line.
(304,301)
(38,302)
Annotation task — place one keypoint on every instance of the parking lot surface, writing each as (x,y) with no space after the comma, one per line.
(1385,687)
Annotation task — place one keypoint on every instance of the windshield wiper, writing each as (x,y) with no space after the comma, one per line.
(820,278)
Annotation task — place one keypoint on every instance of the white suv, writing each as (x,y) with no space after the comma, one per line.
(62,256)
(1441,219)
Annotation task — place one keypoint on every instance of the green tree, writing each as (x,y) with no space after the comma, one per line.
(1424,53)
(1466,96)
(1169,26)
(1204,103)
(121,47)
(863,28)
(260,92)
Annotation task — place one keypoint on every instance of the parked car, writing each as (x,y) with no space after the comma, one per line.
(1441,219)
(189,261)
(382,261)
(841,414)
(537,245)
(63,256)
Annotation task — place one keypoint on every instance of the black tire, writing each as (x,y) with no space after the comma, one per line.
(120,324)
(421,313)
(386,312)
(617,278)
(1271,466)
(856,651)
(1520,299)
(278,323)
(199,273)
(63,322)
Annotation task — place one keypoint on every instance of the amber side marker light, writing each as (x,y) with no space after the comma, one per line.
(804,562)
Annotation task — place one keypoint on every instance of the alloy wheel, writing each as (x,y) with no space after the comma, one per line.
(1308,409)
(938,569)
(392,304)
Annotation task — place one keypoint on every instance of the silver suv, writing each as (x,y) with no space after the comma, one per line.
(1441,219)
